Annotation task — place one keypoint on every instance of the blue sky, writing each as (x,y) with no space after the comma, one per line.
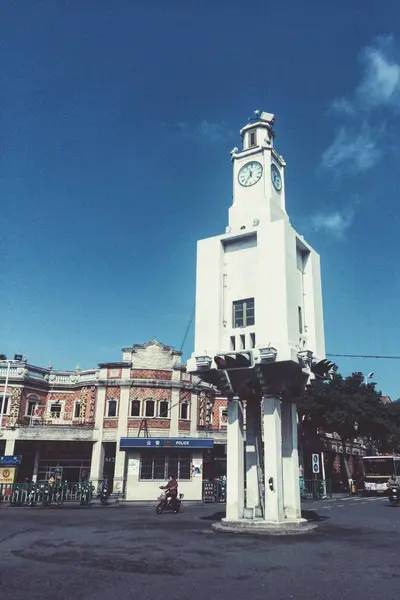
(117,119)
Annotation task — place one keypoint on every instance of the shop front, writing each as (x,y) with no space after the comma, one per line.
(149,462)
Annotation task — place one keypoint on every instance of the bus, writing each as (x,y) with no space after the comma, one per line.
(377,470)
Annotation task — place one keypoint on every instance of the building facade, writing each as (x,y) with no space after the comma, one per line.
(131,422)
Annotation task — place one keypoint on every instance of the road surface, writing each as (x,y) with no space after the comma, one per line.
(130,552)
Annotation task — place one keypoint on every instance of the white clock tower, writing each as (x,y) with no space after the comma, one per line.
(259,327)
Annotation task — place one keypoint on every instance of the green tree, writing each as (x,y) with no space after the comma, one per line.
(345,406)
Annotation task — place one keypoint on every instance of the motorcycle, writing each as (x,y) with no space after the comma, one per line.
(104,494)
(86,491)
(165,504)
(45,494)
(394,495)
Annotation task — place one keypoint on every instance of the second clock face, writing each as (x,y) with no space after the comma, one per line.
(250,173)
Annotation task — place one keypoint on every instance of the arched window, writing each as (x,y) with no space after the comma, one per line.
(150,408)
(32,402)
(184,410)
(112,407)
(163,409)
(135,408)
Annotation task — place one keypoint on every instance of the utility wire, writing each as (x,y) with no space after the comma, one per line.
(365,356)
(188,327)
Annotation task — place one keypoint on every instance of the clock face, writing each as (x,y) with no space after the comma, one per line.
(250,173)
(276,177)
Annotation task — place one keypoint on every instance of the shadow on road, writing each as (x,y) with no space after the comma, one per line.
(312,515)
(215,516)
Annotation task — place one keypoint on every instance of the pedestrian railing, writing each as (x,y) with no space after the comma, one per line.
(315,488)
(44,494)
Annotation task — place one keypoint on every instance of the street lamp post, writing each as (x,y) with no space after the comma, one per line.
(17,359)
(369,376)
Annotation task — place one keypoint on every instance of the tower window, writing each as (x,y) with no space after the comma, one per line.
(252,138)
(252,340)
(300,313)
(243,313)
(233,342)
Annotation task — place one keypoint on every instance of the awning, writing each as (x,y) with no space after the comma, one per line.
(181,443)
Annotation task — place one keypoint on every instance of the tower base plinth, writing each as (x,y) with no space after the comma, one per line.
(262,527)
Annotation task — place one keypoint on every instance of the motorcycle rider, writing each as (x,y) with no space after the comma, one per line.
(172,491)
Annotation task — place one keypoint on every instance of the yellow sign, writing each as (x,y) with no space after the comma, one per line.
(7,474)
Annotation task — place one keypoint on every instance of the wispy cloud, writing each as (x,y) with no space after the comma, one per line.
(381,82)
(361,140)
(335,223)
(343,106)
(210,131)
(353,149)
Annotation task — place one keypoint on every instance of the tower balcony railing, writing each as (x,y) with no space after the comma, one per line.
(56,419)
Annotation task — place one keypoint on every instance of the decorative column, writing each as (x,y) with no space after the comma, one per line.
(175,404)
(235,460)
(122,431)
(273,459)
(290,462)
(253,438)
(36,462)
(10,445)
(97,463)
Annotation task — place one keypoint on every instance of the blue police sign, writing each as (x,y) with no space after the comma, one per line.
(181,443)
(10,461)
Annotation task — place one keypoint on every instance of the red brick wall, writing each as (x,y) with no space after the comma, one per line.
(110,423)
(184,425)
(218,404)
(150,374)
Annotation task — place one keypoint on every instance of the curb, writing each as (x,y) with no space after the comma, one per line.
(260,528)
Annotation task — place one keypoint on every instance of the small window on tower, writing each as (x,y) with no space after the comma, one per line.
(252,138)
(300,312)
(252,340)
(233,342)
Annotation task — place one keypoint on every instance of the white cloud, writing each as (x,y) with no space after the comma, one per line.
(381,82)
(210,131)
(335,223)
(353,150)
(342,105)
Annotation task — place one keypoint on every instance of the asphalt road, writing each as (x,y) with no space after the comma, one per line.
(130,552)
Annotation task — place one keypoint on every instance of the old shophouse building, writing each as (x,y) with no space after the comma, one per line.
(132,422)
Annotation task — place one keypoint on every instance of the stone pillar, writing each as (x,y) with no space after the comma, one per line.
(97,463)
(235,460)
(10,445)
(273,459)
(36,463)
(122,431)
(290,462)
(193,401)
(174,406)
(253,431)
